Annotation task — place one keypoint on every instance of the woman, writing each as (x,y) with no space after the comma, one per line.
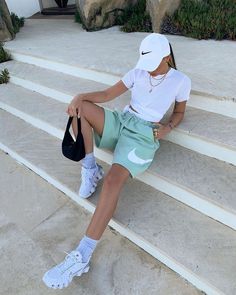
(132,134)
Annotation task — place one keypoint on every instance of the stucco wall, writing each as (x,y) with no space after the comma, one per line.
(27,8)
(24,8)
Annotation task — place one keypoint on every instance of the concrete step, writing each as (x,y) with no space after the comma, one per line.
(40,222)
(197,247)
(205,132)
(204,183)
(115,52)
(200,100)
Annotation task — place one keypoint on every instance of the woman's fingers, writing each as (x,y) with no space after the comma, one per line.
(74,108)
(159,131)
(72,111)
(69,111)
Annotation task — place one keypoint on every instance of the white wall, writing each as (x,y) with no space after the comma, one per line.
(23,8)
(27,8)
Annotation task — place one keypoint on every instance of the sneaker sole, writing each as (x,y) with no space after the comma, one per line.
(64,285)
(83,271)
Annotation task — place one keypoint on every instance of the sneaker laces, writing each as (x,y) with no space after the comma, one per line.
(86,174)
(66,263)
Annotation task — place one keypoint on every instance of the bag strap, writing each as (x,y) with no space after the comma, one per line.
(79,126)
(69,123)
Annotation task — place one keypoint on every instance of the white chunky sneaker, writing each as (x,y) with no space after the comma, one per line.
(62,274)
(89,180)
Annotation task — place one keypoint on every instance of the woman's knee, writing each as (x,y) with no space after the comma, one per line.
(116,177)
(94,115)
(86,108)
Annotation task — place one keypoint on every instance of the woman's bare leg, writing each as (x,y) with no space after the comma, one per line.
(87,132)
(92,116)
(112,185)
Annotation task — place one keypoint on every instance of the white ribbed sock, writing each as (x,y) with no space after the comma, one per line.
(86,247)
(89,161)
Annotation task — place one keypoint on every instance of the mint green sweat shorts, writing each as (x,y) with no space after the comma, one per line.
(131,138)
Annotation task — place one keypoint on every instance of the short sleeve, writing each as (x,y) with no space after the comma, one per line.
(129,78)
(184,90)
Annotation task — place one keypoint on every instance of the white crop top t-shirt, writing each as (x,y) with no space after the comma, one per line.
(153,106)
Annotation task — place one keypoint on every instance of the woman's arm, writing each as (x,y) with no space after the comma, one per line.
(96,97)
(174,120)
(177,115)
(105,95)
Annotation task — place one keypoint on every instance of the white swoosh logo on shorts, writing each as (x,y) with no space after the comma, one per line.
(135,159)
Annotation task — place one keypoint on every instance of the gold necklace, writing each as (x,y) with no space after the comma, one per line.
(160,79)
(157,78)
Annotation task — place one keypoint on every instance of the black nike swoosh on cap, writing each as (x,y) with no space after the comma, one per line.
(145,52)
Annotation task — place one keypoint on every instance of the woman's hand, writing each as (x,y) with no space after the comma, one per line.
(160,131)
(74,108)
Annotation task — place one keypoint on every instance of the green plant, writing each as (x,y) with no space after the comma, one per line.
(4,76)
(79,20)
(78,17)
(204,19)
(4,55)
(134,18)
(17,22)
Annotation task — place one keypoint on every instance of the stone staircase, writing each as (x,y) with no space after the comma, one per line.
(44,222)
(182,211)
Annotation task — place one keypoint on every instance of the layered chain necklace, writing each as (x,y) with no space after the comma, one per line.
(160,80)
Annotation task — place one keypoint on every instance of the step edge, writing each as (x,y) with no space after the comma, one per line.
(217,105)
(218,150)
(196,201)
(111,77)
(211,104)
(214,106)
(66,98)
(76,71)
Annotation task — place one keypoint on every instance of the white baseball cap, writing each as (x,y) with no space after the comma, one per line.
(152,50)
